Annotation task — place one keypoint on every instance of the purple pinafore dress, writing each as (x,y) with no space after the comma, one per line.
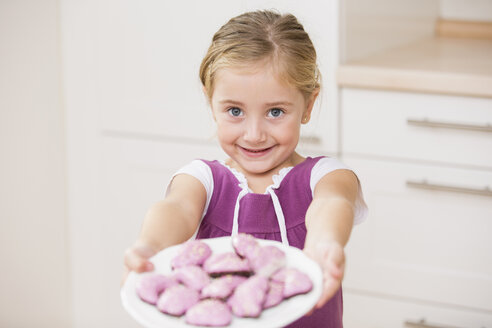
(257,214)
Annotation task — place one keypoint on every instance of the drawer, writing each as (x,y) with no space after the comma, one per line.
(428,235)
(372,311)
(427,127)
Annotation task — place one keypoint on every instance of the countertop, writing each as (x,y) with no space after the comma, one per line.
(443,65)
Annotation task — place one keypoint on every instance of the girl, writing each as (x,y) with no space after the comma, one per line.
(261,79)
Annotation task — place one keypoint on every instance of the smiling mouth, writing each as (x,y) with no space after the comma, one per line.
(256,151)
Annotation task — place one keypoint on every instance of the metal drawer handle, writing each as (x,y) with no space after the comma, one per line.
(423,324)
(314,140)
(486,191)
(425,122)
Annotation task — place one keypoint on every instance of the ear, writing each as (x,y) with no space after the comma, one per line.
(306,116)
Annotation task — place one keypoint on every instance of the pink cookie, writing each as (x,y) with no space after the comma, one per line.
(176,300)
(244,244)
(295,281)
(266,260)
(223,263)
(150,285)
(222,287)
(212,313)
(192,276)
(275,294)
(193,252)
(247,299)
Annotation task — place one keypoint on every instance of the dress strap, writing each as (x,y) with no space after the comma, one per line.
(280,216)
(235,220)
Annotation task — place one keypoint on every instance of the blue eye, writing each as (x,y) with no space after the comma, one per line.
(275,112)
(234,111)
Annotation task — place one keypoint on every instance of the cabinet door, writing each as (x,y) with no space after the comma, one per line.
(432,128)
(148,56)
(423,244)
(372,310)
(107,216)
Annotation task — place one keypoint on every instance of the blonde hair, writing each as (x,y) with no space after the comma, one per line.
(263,36)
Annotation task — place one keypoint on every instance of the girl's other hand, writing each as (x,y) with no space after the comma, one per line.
(136,259)
(331,257)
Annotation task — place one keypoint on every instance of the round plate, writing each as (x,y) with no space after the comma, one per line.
(278,316)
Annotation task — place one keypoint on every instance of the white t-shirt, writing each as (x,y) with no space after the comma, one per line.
(201,171)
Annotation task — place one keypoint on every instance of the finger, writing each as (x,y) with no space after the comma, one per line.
(336,255)
(136,262)
(336,263)
(335,271)
(330,287)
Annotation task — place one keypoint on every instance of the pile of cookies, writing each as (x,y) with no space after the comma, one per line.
(208,289)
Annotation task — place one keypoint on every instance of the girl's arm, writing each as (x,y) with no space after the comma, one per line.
(168,222)
(329,222)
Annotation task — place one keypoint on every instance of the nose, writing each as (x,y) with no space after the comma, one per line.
(255,132)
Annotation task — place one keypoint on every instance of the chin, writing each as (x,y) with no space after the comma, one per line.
(256,168)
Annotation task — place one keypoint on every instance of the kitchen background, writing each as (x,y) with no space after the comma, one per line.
(100,103)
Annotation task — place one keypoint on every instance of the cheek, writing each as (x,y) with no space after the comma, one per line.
(289,132)
(225,132)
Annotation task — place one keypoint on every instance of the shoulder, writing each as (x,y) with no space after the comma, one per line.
(195,174)
(197,168)
(192,181)
(323,166)
(331,177)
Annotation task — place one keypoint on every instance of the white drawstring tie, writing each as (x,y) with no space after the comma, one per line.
(276,206)
(280,216)
(235,220)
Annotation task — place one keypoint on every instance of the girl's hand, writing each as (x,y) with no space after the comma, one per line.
(136,259)
(331,257)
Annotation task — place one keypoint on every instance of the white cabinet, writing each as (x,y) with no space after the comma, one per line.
(130,176)
(424,127)
(431,245)
(425,251)
(148,56)
(366,310)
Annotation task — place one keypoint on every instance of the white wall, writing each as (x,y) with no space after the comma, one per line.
(369,27)
(470,10)
(33,253)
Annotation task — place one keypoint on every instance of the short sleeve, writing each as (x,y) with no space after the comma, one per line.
(201,171)
(328,164)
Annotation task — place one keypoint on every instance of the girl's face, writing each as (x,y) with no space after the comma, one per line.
(258,118)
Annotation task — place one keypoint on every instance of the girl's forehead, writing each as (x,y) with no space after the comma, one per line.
(255,76)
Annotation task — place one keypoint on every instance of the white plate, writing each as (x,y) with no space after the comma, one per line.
(283,314)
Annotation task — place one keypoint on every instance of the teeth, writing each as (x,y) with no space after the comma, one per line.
(256,150)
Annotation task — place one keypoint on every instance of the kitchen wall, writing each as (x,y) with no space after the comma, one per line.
(373,26)
(33,202)
(475,10)
(369,27)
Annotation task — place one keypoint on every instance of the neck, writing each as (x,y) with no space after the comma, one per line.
(294,160)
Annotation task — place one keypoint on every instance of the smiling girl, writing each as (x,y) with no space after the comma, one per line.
(261,79)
